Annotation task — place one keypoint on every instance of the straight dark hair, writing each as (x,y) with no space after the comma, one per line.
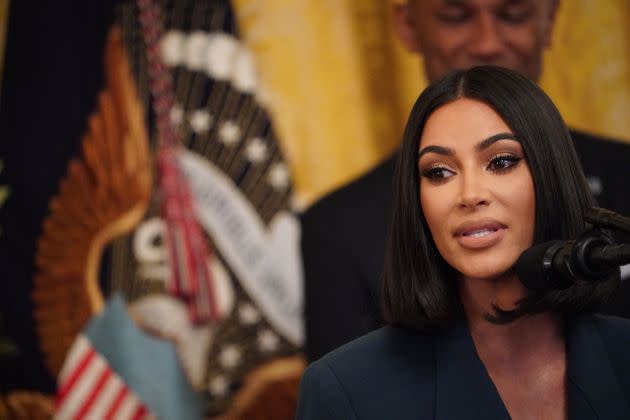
(419,287)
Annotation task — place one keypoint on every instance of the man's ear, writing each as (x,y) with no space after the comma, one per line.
(551,16)
(405,25)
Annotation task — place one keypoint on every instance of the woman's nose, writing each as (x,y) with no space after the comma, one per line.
(473,192)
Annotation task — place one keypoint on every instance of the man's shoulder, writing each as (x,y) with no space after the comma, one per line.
(605,162)
(370,188)
(587,142)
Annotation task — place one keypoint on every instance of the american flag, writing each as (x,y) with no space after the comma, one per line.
(89,388)
(116,371)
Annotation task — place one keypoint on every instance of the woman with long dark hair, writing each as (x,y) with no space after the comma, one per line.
(487,169)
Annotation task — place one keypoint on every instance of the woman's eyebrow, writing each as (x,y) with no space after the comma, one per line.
(447,151)
(484,144)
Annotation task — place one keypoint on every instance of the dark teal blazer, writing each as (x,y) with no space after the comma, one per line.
(398,373)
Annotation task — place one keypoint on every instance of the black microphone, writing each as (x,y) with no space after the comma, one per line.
(556,265)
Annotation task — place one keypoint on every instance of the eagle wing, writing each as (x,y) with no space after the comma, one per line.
(104,194)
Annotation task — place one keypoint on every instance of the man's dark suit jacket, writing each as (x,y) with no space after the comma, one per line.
(344,234)
(397,373)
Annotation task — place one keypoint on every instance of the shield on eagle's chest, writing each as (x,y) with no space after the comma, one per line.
(242,189)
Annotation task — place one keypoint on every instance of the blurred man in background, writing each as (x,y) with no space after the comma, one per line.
(344,234)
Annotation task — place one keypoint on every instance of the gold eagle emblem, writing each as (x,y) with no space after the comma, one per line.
(104,194)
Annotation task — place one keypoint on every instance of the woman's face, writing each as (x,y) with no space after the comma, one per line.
(476,190)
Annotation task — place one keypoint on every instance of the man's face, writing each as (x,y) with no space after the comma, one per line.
(458,34)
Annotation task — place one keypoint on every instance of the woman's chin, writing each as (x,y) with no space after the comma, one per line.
(487,271)
(487,265)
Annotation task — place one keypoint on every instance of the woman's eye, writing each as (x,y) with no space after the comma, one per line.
(503,163)
(437,173)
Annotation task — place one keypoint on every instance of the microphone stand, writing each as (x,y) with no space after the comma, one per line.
(593,253)
(597,216)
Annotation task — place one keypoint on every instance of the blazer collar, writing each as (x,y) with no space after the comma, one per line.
(463,388)
(594,391)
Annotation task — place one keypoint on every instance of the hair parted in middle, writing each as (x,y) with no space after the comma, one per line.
(419,287)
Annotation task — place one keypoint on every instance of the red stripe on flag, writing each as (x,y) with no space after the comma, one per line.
(74,377)
(98,386)
(122,394)
(140,412)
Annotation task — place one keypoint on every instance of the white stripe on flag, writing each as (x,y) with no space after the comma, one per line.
(81,388)
(106,397)
(77,352)
(127,408)
(90,389)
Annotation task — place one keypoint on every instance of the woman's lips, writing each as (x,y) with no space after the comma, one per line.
(480,235)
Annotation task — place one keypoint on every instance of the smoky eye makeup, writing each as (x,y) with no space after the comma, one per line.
(504,155)
(436,171)
(503,162)
(499,153)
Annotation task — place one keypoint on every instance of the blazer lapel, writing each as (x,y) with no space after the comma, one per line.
(463,387)
(594,391)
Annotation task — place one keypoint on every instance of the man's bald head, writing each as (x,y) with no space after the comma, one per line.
(458,34)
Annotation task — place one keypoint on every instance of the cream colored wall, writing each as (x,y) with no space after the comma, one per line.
(339,85)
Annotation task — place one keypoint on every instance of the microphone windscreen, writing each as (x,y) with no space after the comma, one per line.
(530,267)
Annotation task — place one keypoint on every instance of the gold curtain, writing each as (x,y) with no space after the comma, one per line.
(339,85)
